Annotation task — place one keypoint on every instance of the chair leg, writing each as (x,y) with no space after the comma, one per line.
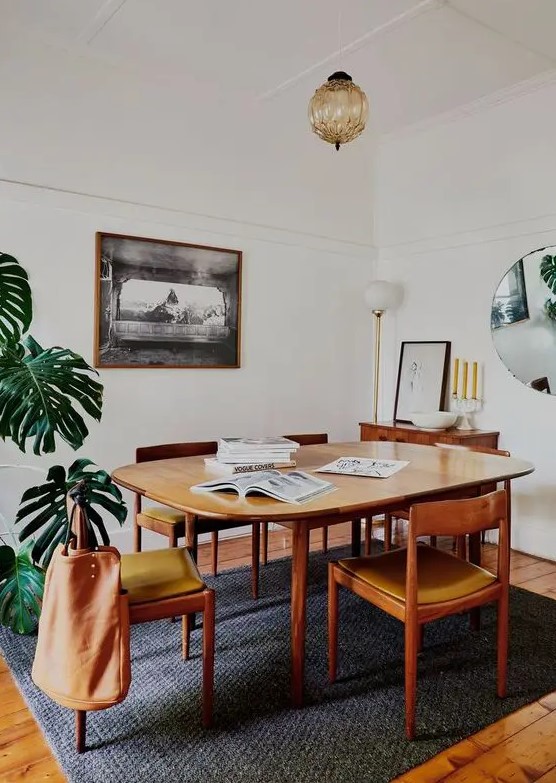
(136,537)
(434,541)
(264,542)
(355,537)
(420,637)
(172,538)
(80,730)
(333,591)
(502,645)
(186,623)
(411,645)
(255,546)
(214,552)
(136,527)
(208,658)
(387,532)
(325,539)
(368,534)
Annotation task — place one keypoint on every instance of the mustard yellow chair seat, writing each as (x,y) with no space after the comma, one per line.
(442,577)
(164,573)
(164,514)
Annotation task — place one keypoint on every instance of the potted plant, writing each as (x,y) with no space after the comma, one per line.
(44,393)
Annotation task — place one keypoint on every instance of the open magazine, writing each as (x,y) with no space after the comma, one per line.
(364,466)
(293,487)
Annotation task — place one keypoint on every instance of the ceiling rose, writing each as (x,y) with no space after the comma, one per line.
(338,110)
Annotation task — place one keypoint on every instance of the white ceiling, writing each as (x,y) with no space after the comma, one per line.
(414,58)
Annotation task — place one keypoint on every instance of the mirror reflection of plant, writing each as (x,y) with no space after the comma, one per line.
(550,309)
(548,271)
(497,314)
(43,394)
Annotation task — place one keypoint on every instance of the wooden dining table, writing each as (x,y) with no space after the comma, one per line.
(432,474)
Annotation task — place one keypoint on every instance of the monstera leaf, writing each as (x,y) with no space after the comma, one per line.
(16,308)
(44,507)
(21,589)
(548,272)
(38,389)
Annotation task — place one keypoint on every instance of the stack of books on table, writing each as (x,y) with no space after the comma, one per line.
(244,455)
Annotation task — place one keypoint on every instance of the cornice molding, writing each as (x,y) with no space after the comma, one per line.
(541,227)
(505,95)
(197,224)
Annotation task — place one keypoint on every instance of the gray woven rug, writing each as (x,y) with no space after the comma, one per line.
(350,731)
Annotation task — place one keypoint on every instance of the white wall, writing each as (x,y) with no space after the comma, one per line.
(457,204)
(96,146)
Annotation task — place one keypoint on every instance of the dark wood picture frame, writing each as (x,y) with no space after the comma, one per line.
(165,330)
(425,384)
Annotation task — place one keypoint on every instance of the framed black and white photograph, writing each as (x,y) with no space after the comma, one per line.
(422,378)
(166,304)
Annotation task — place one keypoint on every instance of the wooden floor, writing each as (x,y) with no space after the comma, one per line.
(520,748)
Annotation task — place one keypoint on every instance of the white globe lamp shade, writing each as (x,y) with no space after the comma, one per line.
(383,295)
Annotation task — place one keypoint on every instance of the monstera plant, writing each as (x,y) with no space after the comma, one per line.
(548,271)
(44,395)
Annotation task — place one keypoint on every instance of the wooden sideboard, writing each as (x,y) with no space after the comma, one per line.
(408,433)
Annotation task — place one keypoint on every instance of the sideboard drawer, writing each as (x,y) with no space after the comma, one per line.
(407,433)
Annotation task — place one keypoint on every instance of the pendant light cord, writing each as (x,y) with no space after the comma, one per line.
(340,46)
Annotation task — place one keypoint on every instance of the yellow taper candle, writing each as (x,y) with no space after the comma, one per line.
(455,378)
(464,389)
(474,382)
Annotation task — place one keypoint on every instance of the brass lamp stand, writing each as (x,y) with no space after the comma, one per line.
(378,328)
(381,295)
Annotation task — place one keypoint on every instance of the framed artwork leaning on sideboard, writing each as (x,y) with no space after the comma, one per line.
(422,378)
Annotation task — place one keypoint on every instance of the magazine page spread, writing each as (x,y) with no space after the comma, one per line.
(293,487)
(363,466)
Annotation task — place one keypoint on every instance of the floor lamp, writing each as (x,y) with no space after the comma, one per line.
(380,295)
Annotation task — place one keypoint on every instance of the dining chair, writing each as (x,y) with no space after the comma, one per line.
(419,583)
(162,584)
(173,524)
(308,439)
(404,513)
(541,384)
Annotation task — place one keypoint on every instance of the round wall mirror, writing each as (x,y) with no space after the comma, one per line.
(523,320)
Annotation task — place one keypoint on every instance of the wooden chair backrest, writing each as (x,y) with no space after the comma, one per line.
(310,438)
(457,518)
(480,449)
(486,450)
(174,450)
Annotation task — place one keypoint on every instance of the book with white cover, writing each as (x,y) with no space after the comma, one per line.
(254,456)
(293,487)
(228,469)
(364,466)
(272,443)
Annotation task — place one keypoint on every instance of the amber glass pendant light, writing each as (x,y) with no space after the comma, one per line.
(339,109)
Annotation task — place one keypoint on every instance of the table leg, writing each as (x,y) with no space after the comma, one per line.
(356,538)
(191,534)
(300,557)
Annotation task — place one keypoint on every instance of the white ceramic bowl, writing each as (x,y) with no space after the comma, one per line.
(434,420)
